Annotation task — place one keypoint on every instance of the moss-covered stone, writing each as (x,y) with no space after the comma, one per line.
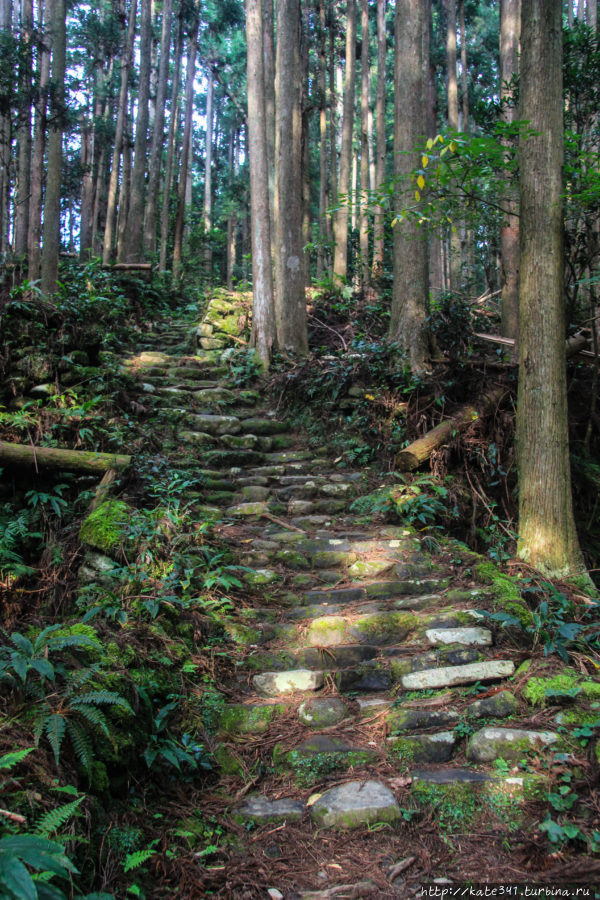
(292,559)
(504,591)
(238,718)
(380,628)
(108,528)
(540,691)
(327,631)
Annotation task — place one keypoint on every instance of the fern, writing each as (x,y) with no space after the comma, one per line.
(55,727)
(54,819)
(81,745)
(139,857)
(10,760)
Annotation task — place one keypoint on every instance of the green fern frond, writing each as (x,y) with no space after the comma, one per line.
(81,744)
(108,698)
(134,860)
(54,726)
(10,760)
(54,819)
(92,715)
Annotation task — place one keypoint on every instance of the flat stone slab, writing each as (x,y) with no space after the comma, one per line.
(261,809)
(370,706)
(354,804)
(504,703)
(321,712)
(447,676)
(506,743)
(218,424)
(272,684)
(423,748)
(480,637)
(449,776)
(410,718)
(257,508)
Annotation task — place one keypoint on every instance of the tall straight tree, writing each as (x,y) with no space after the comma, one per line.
(39,145)
(128,37)
(169,165)
(378,238)
(290,295)
(208,162)
(263,306)
(51,228)
(323,180)
(510,27)
(158,129)
(455,244)
(547,536)
(24,130)
(186,148)
(340,227)
(5,28)
(135,217)
(364,144)
(410,297)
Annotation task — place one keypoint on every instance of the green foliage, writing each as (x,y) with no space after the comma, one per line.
(22,657)
(19,854)
(163,748)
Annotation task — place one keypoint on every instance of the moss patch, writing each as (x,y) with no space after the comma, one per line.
(240,719)
(504,592)
(107,528)
(545,691)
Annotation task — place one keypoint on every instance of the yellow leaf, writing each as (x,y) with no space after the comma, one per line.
(429,144)
(441,137)
(417,196)
(369,397)
(453,146)
(442,152)
(424,161)
(421,182)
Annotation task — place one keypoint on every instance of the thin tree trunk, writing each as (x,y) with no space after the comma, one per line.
(591,14)
(135,217)
(410,297)
(39,145)
(290,297)
(185,153)
(87,191)
(340,228)
(113,186)
(24,131)
(5,149)
(269,78)
(364,146)
(333,118)
(455,244)
(263,307)
(124,195)
(51,229)
(378,227)
(463,65)
(208,158)
(547,535)
(158,130)
(510,26)
(323,193)
(168,181)
(232,219)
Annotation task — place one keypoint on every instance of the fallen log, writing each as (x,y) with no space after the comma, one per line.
(67,460)
(575,344)
(420,450)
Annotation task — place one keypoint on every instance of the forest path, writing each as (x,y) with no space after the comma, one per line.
(374,731)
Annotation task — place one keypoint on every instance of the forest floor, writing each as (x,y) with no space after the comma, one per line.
(329,701)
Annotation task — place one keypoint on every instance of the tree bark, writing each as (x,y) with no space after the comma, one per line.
(87,190)
(158,130)
(208,157)
(5,149)
(269,79)
(168,179)
(379,223)
(232,218)
(135,216)
(340,228)
(364,146)
(323,178)
(455,244)
(510,27)
(186,148)
(547,535)
(39,145)
(463,66)
(65,460)
(124,194)
(290,297)
(333,118)
(113,186)
(51,228)
(410,297)
(263,307)
(21,232)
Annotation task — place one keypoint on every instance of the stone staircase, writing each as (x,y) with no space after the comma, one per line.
(366,655)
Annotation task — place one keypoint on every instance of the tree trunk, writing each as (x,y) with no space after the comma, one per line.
(364,146)
(51,229)
(124,194)
(410,297)
(87,191)
(64,460)
(591,14)
(39,145)
(269,78)
(21,229)
(290,297)
(232,219)
(208,156)
(185,152)
(455,245)
(510,27)
(463,66)
(333,154)
(113,186)
(263,307)
(5,148)
(323,183)
(158,130)
(378,227)
(168,180)
(547,535)
(340,228)
(135,217)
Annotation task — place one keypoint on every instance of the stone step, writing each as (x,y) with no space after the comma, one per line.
(449,676)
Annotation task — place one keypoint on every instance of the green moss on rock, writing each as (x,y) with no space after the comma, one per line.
(505,592)
(108,528)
